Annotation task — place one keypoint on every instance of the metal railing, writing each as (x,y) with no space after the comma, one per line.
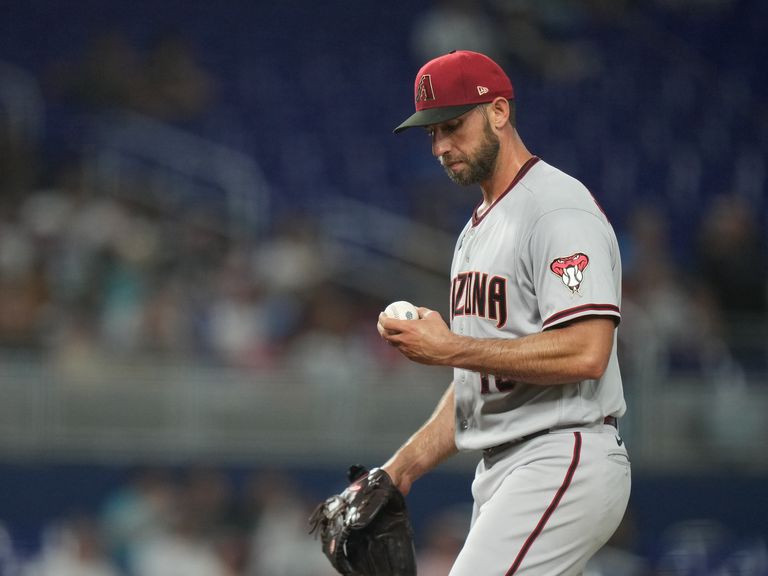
(136,156)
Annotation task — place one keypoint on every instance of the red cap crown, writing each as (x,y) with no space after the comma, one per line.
(452,84)
(460,78)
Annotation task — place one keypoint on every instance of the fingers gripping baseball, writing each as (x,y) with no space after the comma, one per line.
(425,340)
(392,329)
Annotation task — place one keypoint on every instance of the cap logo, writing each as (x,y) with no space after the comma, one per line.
(424,91)
(482,90)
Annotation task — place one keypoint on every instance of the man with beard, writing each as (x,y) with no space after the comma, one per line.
(535,304)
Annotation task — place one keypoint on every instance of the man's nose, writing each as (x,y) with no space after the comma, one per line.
(440,144)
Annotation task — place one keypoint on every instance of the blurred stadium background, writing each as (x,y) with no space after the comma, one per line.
(203,209)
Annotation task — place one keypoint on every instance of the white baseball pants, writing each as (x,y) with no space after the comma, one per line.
(545,506)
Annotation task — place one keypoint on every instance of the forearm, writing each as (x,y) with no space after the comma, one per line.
(578,351)
(433,443)
(560,356)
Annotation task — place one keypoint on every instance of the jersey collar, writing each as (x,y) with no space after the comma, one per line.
(477,217)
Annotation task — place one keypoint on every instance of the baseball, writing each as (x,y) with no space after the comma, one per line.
(402,310)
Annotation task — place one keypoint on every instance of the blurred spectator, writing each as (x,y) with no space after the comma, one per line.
(444,538)
(652,278)
(192,522)
(619,556)
(56,216)
(23,290)
(128,268)
(281,544)
(238,317)
(22,115)
(181,550)
(176,88)
(731,259)
(104,78)
(139,510)
(290,265)
(167,323)
(168,83)
(73,548)
(231,548)
(331,356)
(732,270)
(294,259)
(10,564)
(76,354)
(677,319)
(543,38)
(686,318)
(454,25)
(692,547)
(208,497)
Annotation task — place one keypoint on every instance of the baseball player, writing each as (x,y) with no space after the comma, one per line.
(534,308)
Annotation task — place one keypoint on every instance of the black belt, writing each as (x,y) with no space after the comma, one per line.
(495,450)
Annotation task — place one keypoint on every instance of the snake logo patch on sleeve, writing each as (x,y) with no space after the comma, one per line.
(570,270)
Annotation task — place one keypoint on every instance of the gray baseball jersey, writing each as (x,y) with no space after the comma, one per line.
(541,255)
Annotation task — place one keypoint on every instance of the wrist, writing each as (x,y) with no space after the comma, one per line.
(399,478)
(454,350)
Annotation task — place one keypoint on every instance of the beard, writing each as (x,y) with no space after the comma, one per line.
(481,165)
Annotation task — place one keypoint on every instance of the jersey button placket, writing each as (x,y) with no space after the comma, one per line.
(466,243)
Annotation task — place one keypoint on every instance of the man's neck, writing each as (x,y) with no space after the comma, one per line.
(511,159)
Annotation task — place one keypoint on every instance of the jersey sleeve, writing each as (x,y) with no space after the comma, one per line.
(575,267)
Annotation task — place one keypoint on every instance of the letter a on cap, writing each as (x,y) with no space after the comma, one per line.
(424,91)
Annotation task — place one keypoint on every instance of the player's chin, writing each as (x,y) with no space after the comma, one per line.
(457,175)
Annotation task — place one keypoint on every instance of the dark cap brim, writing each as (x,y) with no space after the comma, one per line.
(434,116)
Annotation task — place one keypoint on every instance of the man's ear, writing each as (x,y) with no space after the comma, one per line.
(500,112)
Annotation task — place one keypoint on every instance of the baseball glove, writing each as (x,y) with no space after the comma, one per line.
(365,530)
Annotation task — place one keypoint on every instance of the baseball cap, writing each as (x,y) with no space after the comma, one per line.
(453,84)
